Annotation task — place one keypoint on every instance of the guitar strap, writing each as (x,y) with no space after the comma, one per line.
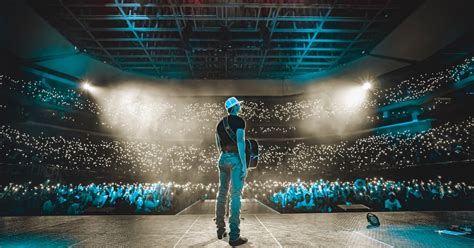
(229,130)
(232,136)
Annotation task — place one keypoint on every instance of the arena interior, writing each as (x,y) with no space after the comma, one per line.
(108,114)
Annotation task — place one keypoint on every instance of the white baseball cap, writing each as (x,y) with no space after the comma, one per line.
(231,102)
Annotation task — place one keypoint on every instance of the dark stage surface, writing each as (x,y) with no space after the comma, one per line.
(263,227)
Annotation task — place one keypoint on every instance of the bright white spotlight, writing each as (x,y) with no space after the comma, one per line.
(86,86)
(367,86)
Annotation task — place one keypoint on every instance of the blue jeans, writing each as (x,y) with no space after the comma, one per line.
(230,170)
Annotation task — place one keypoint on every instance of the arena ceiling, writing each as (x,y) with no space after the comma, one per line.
(234,39)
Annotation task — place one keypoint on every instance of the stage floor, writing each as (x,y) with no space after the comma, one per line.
(247,207)
(270,229)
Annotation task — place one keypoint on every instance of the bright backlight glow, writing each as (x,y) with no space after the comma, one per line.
(367,86)
(87,86)
(354,97)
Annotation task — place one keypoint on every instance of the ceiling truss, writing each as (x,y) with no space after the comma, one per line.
(224,39)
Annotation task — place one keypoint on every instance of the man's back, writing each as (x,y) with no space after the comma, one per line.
(230,141)
(235,122)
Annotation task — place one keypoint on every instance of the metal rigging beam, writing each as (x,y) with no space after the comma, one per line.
(131,63)
(173,56)
(257,40)
(237,5)
(217,29)
(217,18)
(240,74)
(274,23)
(178,26)
(138,38)
(166,48)
(362,31)
(319,27)
(86,29)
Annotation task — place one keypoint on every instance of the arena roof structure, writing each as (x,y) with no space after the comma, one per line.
(225,39)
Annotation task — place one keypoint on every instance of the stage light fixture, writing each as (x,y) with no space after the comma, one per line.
(373,220)
(86,86)
(367,86)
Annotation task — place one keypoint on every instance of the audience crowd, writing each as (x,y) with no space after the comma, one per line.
(321,195)
(105,198)
(451,141)
(376,193)
(422,85)
(262,113)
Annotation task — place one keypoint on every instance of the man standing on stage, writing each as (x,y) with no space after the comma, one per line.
(230,142)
